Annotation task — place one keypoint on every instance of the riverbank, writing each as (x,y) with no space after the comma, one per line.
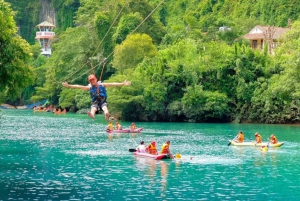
(7,106)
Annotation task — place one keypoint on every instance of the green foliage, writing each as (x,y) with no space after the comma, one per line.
(27,17)
(70,98)
(200,105)
(65,13)
(181,66)
(102,24)
(15,70)
(67,63)
(279,95)
(132,51)
(155,100)
(151,26)
(126,25)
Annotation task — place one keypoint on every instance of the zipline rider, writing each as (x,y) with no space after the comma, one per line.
(98,94)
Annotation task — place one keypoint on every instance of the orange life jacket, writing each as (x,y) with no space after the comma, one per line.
(274,140)
(241,138)
(258,139)
(152,149)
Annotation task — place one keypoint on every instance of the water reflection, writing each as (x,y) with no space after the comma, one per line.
(112,136)
(152,169)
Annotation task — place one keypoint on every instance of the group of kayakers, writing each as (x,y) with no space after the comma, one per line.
(258,138)
(119,127)
(49,109)
(151,148)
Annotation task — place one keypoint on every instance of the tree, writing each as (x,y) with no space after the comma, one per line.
(279,95)
(68,63)
(15,70)
(134,49)
(126,25)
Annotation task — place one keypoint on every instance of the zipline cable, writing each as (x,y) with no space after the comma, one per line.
(140,24)
(104,61)
(90,60)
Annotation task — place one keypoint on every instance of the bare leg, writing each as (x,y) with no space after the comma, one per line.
(92,112)
(105,110)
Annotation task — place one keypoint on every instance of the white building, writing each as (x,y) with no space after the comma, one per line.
(44,36)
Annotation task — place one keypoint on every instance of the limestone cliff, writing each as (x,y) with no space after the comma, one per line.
(47,13)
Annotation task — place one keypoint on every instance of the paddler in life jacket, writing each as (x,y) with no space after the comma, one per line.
(258,138)
(240,137)
(98,94)
(132,126)
(151,148)
(165,149)
(273,139)
(110,126)
(118,126)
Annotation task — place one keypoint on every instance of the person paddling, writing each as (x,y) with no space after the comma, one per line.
(141,148)
(165,149)
(118,126)
(151,148)
(98,94)
(258,138)
(240,137)
(273,139)
(110,126)
(132,126)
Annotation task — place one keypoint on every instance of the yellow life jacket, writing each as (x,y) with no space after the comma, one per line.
(164,149)
(110,127)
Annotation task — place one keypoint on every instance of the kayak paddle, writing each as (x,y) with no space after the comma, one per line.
(232,140)
(132,150)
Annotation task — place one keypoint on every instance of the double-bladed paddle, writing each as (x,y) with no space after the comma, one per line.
(176,155)
(233,140)
(132,150)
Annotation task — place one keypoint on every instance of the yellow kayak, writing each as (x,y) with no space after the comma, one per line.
(233,143)
(264,149)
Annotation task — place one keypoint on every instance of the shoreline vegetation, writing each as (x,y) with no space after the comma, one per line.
(84,111)
(188,62)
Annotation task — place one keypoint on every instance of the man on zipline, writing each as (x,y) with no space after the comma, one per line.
(98,93)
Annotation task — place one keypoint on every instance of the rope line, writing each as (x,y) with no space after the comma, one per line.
(93,68)
(139,24)
(109,28)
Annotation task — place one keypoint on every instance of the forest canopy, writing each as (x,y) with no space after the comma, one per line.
(182,67)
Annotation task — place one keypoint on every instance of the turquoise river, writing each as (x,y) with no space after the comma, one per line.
(70,157)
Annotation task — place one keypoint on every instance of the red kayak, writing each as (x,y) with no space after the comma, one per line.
(155,157)
(138,130)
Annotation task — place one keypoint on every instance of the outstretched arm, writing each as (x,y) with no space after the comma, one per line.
(117,84)
(75,86)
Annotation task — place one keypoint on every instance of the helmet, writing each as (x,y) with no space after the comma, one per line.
(272,135)
(153,142)
(256,133)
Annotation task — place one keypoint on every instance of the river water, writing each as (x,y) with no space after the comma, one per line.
(71,157)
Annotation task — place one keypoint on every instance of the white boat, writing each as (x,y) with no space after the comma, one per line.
(233,143)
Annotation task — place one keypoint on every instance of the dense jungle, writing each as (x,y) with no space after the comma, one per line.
(182,66)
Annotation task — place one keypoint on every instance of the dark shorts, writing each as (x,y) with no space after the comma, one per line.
(99,103)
